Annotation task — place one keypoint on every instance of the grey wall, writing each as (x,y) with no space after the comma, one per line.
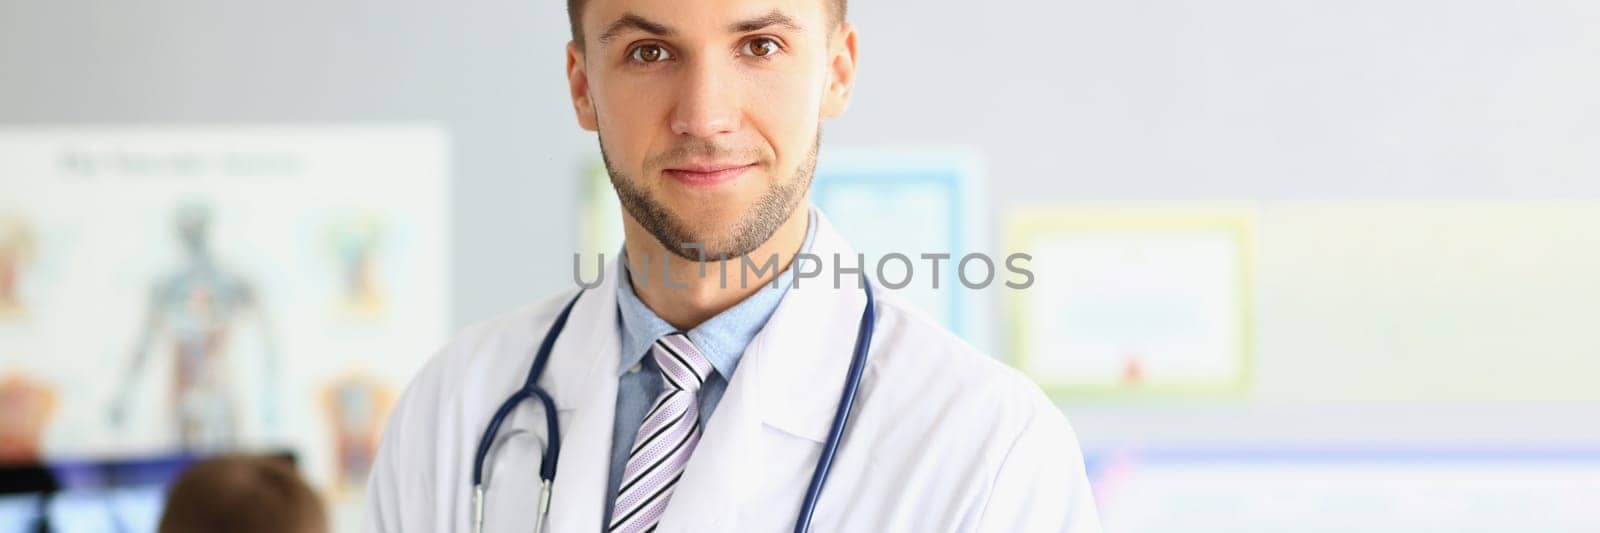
(1069,101)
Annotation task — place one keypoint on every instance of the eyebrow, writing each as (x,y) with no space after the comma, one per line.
(631,21)
(772,18)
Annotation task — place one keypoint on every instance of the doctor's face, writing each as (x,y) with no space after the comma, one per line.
(708,112)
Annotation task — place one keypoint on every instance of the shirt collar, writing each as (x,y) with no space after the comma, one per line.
(722,338)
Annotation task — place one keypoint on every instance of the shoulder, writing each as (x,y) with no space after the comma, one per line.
(944,395)
(486,343)
(475,359)
(921,363)
(456,388)
(919,351)
(515,327)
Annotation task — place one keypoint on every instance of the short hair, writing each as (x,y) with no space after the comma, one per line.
(836,11)
(244,494)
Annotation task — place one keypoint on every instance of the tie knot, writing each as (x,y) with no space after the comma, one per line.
(683,366)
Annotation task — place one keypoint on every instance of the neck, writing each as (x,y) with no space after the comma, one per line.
(682,295)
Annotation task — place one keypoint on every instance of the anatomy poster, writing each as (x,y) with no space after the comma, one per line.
(355,404)
(28,406)
(199,288)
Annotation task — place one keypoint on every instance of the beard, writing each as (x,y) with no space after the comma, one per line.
(752,229)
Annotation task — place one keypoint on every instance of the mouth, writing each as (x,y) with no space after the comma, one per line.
(704,175)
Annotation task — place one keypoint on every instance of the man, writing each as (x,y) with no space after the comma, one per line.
(698,395)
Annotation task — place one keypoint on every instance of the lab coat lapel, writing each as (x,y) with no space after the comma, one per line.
(789,378)
(808,343)
(582,378)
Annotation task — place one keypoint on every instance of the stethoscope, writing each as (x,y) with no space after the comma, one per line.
(552,451)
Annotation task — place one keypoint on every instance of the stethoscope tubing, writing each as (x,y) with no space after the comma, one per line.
(530,388)
(847,399)
(552,453)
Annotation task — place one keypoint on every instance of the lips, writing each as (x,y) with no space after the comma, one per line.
(706,175)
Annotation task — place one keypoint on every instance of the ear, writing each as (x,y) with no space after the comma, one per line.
(841,71)
(578,82)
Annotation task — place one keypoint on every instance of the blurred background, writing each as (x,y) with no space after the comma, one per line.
(1306,266)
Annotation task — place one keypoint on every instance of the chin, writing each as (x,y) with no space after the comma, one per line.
(710,228)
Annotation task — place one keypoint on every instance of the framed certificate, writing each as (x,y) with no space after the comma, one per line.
(1134,300)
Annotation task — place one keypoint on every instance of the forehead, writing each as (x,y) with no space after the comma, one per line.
(700,16)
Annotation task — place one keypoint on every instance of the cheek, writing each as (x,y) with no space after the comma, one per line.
(629,115)
(786,108)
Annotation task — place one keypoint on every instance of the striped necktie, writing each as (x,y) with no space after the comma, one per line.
(665,440)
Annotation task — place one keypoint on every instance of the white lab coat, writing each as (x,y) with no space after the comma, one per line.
(942,438)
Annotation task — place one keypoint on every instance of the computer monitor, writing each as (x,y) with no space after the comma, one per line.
(123,495)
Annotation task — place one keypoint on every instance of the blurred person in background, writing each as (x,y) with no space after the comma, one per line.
(243,494)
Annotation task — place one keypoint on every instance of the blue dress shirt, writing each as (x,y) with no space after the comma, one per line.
(722,339)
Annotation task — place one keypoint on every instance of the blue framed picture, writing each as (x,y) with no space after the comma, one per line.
(914,202)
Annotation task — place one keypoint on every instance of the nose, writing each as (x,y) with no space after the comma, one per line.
(708,104)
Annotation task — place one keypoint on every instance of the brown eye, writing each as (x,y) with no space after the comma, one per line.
(761,47)
(650,53)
